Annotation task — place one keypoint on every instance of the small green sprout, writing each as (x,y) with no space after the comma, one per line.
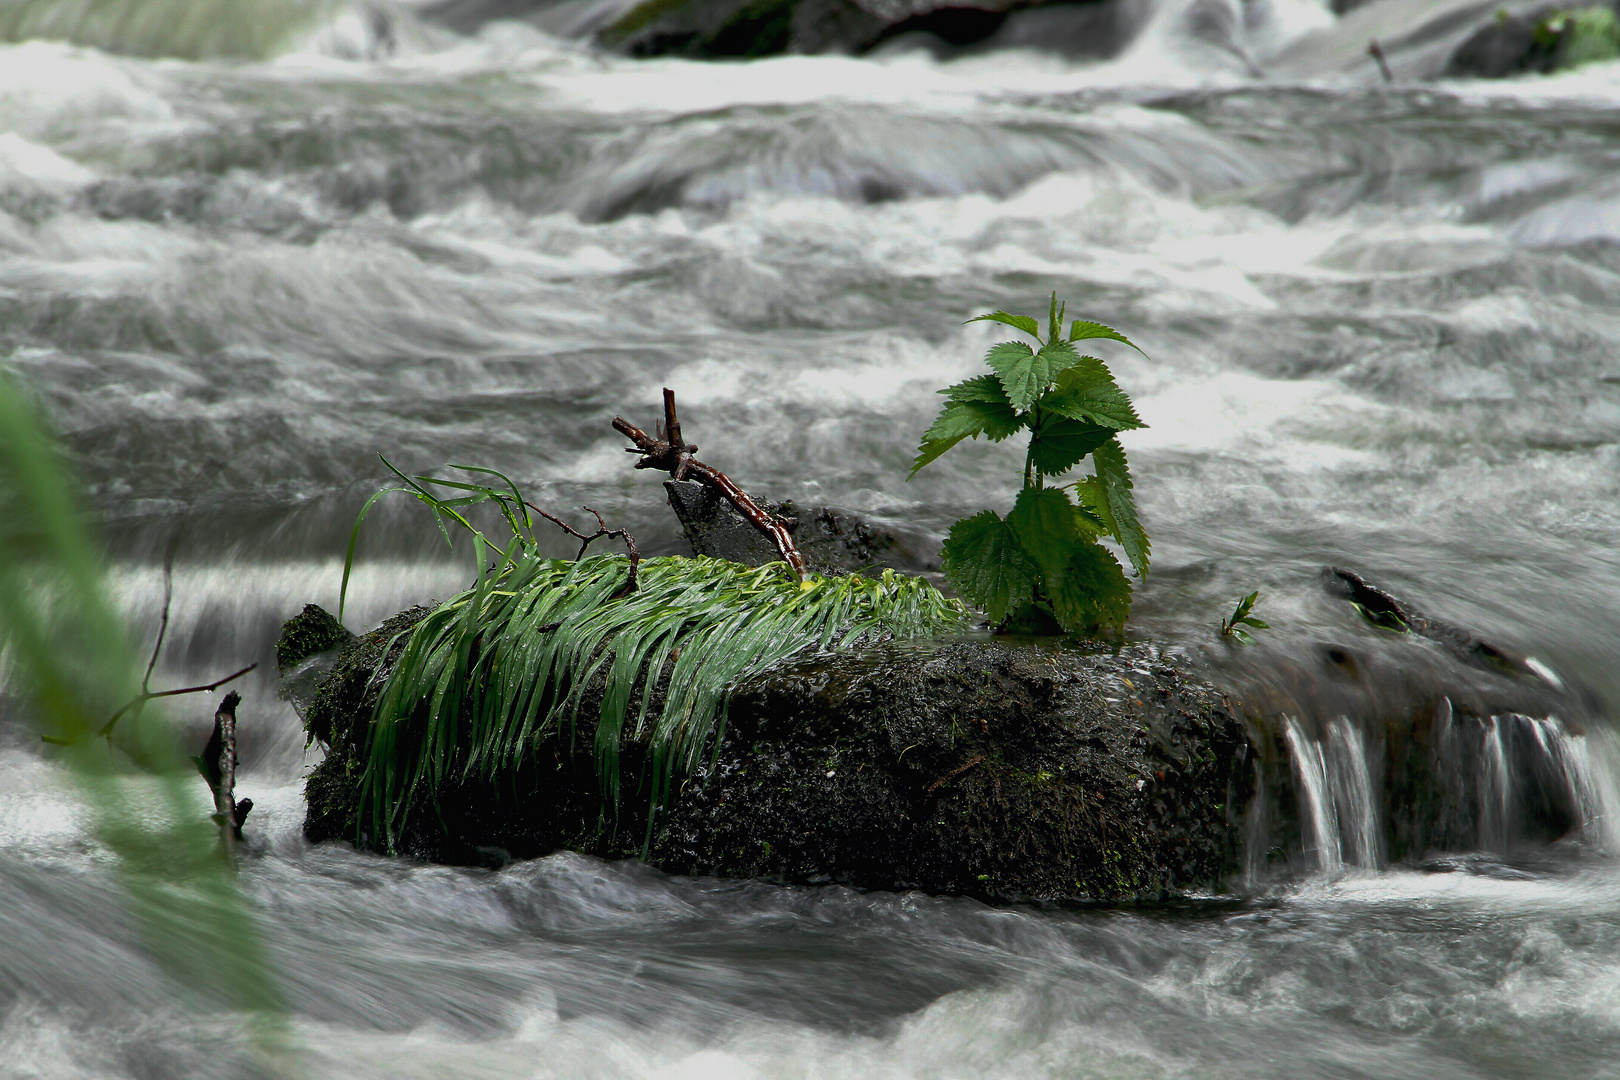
(1234,627)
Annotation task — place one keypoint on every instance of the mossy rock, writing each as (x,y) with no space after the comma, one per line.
(311,631)
(1001,770)
(1546,39)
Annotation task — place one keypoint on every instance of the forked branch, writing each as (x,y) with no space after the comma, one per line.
(601,531)
(138,702)
(669,452)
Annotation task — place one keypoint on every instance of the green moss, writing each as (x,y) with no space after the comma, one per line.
(1585,36)
(1594,35)
(311,631)
(637,18)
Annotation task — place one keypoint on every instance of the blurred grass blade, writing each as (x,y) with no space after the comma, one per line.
(183,29)
(67,657)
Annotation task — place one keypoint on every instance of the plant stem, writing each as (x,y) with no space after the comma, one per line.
(1032,475)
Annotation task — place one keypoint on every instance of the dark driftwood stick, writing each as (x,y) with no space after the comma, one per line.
(953,774)
(672,454)
(218,766)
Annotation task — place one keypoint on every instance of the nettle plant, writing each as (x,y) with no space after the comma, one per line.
(1043,564)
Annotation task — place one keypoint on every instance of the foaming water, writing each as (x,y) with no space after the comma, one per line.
(1380,329)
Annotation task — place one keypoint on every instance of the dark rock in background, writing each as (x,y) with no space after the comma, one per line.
(1504,46)
(1078,30)
(751,28)
(1549,38)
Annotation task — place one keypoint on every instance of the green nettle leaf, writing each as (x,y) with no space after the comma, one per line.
(1116,482)
(980,388)
(988,399)
(966,419)
(983,559)
(1021,370)
(1093,496)
(1057,355)
(1054,325)
(1088,331)
(1093,594)
(1086,391)
(1021,322)
(1024,373)
(983,388)
(1091,525)
(1059,444)
(1044,522)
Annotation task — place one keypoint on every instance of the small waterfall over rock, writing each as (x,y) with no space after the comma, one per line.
(1399,746)
(1497,782)
(1321,816)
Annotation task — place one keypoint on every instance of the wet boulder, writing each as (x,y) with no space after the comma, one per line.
(1001,770)
(1545,39)
(751,28)
(1400,737)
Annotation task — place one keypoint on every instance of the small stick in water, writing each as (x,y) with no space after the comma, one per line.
(1376,51)
(218,766)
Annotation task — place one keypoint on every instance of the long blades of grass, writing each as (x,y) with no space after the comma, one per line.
(485,679)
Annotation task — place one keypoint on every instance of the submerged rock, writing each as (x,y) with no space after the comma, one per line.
(1402,737)
(1006,771)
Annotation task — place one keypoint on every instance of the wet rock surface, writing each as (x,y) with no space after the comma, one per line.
(1403,736)
(1547,38)
(1505,46)
(751,28)
(1000,770)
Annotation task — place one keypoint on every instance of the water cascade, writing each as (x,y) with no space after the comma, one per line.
(1498,783)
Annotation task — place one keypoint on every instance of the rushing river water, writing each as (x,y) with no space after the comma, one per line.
(1384,330)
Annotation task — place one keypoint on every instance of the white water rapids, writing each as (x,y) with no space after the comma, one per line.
(1382,332)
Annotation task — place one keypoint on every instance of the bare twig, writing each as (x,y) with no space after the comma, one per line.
(141,699)
(601,531)
(138,702)
(168,597)
(953,774)
(145,697)
(1376,51)
(670,453)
